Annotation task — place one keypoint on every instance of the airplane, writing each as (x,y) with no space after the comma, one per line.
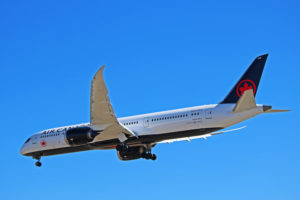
(134,137)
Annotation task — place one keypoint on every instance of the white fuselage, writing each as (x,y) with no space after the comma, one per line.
(134,137)
(170,124)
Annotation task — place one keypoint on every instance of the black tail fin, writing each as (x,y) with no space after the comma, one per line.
(249,80)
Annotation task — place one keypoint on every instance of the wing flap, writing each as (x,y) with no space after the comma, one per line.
(115,131)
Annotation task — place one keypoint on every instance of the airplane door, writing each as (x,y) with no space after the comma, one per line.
(208,114)
(146,122)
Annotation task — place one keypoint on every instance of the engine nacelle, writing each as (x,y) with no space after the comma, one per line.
(132,153)
(80,135)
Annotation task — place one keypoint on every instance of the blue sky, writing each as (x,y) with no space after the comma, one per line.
(159,55)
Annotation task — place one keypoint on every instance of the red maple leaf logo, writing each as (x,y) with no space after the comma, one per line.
(43,143)
(245,85)
(244,88)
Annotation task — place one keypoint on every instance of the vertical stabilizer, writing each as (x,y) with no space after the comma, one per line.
(249,80)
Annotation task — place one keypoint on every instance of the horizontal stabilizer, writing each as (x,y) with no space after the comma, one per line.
(246,102)
(276,110)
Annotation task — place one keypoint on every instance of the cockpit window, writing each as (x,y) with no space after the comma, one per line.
(27,140)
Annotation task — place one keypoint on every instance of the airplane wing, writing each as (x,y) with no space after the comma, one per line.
(101,111)
(102,116)
(200,136)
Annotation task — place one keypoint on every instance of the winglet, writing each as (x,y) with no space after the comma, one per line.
(99,72)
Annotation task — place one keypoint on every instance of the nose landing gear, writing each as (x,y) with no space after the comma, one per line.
(38,162)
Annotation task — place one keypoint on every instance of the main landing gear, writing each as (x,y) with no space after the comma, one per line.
(136,152)
(149,155)
(38,162)
(122,147)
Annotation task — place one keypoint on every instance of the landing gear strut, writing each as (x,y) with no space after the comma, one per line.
(38,162)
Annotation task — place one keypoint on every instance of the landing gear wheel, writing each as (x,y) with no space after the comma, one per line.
(148,156)
(153,157)
(122,147)
(38,164)
(144,155)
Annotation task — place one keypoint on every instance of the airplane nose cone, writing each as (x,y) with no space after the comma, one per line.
(22,151)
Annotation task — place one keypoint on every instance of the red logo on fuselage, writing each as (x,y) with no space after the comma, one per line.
(43,143)
(245,85)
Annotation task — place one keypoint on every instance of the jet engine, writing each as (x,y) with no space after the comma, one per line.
(80,135)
